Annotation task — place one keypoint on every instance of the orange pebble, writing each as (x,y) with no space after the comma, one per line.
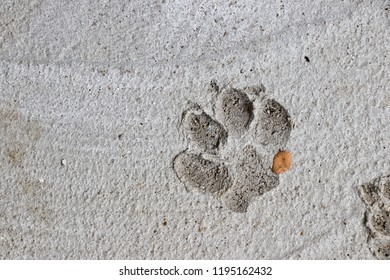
(282,162)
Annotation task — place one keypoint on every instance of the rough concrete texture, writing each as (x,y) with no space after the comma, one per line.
(92,95)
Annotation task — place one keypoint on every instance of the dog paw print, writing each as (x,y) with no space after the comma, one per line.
(376,197)
(230,148)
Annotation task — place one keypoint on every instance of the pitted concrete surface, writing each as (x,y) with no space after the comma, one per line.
(92,95)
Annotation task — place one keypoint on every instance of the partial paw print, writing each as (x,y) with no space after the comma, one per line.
(232,146)
(376,196)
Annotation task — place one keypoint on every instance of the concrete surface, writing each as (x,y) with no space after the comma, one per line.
(91,99)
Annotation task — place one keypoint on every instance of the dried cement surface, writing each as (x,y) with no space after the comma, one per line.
(92,99)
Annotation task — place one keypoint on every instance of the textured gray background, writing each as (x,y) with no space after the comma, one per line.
(91,94)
